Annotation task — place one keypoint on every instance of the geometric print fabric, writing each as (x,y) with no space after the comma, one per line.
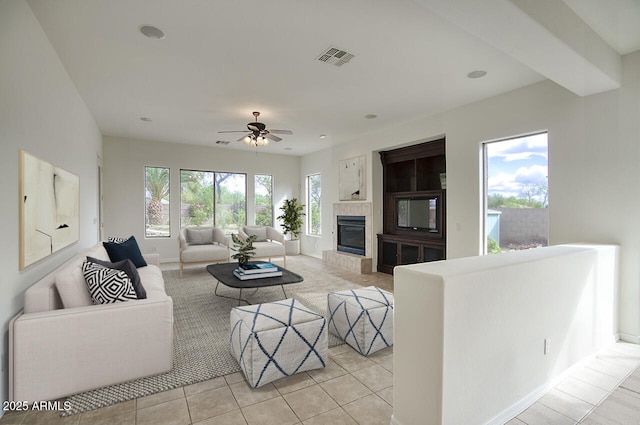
(362,317)
(274,340)
(107,285)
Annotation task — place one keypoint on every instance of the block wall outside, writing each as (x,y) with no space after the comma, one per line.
(523,226)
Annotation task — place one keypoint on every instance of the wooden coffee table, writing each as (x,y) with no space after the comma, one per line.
(223,273)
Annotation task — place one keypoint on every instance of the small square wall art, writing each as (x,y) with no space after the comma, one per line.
(352,179)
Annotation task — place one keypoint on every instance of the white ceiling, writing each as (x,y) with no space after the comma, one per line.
(223,59)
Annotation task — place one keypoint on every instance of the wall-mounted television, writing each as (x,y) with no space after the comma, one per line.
(418,213)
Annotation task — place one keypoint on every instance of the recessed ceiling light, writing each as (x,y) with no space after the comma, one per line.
(370,116)
(151,32)
(145,119)
(476,74)
(322,136)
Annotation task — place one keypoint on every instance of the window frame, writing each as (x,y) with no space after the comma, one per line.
(255,199)
(309,203)
(214,219)
(146,204)
(484,249)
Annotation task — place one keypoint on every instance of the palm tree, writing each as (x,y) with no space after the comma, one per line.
(157,182)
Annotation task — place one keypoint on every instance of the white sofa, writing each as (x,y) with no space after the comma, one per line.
(269,242)
(56,351)
(203,245)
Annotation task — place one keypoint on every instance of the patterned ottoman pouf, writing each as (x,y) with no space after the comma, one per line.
(274,340)
(362,317)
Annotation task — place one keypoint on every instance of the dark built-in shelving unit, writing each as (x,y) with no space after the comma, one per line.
(413,172)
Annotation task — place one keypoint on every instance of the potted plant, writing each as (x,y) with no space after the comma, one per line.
(244,248)
(291,217)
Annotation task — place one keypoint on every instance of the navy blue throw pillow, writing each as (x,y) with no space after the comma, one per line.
(127,249)
(129,268)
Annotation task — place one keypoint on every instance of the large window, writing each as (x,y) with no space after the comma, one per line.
(516,193)
(263,186)
(213,199)
(314,196)
(231,201)
(156,217)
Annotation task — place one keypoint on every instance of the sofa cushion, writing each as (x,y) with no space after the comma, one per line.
(259,232)
(107,285)
(204,253)
(152,278)
(127,249)
(199,236)
(268,249)
(129,268)
(72,287)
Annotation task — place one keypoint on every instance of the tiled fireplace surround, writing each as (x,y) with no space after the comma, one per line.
(352,262)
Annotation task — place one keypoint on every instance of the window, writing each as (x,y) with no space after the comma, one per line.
(314,195)
(196,198)
(516,193)
(213,199)
(156,217)
(263,186)
(231,201)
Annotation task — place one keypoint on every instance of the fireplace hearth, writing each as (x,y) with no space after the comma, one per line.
(351,234)
(357,263)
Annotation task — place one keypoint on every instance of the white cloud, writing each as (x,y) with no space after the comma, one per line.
(510,184)
(519,149)
(536,174)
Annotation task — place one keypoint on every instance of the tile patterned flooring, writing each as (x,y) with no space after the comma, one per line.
(356,390)
(603,390)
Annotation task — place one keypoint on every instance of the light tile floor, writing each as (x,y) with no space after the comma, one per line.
(347,391)
(603,390)
(355,390)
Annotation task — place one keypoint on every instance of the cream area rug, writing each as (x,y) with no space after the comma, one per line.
(201,331)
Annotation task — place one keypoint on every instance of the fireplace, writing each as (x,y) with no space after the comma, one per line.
(351,234)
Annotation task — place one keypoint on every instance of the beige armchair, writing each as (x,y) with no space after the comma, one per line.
(269,242)
(203,245)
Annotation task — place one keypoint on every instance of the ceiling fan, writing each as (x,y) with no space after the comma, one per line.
(257,133)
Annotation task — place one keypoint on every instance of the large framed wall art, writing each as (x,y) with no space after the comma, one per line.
(352,179)
(49,209)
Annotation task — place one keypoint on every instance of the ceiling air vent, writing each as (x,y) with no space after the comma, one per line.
(335,56)
(222,142)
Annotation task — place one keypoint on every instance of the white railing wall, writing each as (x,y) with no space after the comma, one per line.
(469,333)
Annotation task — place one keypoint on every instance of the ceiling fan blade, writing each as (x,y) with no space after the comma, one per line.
(281,131)
(253,127)
(235,131)
(242,138)
(272,137)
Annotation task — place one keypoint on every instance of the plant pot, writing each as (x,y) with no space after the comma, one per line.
(292,247)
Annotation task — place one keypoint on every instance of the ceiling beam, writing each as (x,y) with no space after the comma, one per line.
(545,35)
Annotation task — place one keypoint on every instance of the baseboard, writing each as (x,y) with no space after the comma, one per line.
(394,421)
(169,260)
(634,339)
(525,402)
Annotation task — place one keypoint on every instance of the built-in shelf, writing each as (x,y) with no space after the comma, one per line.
(411,173)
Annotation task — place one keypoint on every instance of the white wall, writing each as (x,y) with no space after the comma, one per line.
(124,163)
(468,325)
(593,168)
(42,113)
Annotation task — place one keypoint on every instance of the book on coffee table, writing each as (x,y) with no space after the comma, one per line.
(258,268)
(247,276)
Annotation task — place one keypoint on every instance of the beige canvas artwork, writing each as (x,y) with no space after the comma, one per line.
(49,209)
(351,177)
